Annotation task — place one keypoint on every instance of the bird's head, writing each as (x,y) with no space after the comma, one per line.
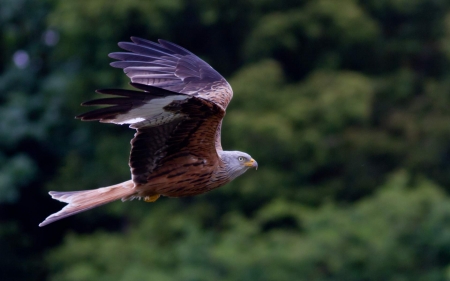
(237,162)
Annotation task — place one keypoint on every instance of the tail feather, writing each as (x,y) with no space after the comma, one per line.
(80,201)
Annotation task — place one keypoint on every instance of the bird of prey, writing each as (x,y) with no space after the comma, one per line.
(177,111)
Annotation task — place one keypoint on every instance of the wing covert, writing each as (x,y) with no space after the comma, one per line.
(171,67)
(156,149)
(169,126)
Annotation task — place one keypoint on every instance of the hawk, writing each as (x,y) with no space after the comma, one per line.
(177,111)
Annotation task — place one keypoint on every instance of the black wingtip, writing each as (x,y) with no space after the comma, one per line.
(107,101)
(174,47)
(152,89)
(105,91)
(135,38)
(116,56)
(123,44)
(104,114)
(122,93)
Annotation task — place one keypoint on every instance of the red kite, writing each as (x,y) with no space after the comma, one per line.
(177,113)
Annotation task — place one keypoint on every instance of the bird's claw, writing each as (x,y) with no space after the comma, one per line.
(152,198)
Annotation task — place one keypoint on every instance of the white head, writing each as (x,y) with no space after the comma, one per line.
(236,163)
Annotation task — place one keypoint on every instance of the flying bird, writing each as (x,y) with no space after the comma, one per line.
(177,111)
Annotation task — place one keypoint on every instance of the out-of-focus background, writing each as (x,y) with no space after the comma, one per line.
(344,104)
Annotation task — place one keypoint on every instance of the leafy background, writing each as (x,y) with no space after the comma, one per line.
(344,104)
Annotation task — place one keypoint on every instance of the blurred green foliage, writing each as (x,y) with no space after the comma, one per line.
(344,104)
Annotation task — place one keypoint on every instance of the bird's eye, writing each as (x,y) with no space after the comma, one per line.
(240,158)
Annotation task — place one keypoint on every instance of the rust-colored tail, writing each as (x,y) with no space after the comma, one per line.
(80,201)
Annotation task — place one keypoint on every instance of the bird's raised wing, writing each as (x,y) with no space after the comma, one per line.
(172,128)
(171,67)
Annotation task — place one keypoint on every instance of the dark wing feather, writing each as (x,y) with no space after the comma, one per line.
(169,126)
(169,66)
(136,108)
(156,149)
(147,148)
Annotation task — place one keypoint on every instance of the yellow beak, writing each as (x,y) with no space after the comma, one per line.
(252,163)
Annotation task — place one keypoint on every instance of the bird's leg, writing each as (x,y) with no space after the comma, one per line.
(152,198)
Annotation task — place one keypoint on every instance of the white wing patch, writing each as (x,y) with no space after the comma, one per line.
(134,120)
(150,114)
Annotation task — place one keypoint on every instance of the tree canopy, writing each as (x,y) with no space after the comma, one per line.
(344,104)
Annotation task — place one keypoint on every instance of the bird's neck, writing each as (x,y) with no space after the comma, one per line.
(230,172)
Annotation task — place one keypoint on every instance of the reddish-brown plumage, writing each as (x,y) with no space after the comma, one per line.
(190,157)
(178,114)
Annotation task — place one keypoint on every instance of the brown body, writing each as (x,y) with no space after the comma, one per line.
(178,114)
(188,176)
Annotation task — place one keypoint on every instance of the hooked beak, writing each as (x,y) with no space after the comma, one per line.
(252,163)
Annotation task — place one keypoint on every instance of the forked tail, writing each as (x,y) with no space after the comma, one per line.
(80,201)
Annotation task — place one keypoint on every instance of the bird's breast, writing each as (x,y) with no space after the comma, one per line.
(189,175)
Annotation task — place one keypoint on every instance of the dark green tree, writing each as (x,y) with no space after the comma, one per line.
(344,104)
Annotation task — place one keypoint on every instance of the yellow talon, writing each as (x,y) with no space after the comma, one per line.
(152,198)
